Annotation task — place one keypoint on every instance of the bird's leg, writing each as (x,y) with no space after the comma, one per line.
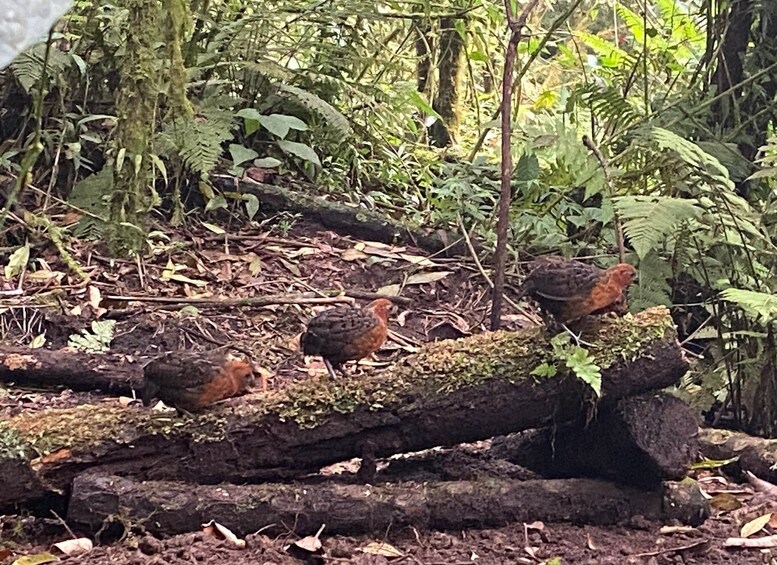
(330,369)
(576,337)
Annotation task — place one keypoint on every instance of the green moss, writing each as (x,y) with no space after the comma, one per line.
(439,369)
(12,446)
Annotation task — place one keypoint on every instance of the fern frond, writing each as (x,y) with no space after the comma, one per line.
(647,220)
(197,141)
(609,105)
(689,152)
(758,305)
(651,288)
(28,66)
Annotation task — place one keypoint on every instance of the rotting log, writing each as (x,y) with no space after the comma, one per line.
(349,220)
(450,392)
(166,507)
(69,368)
(641,440)
(754,454)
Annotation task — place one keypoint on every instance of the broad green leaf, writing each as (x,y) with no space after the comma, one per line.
(252,205)
(275,125)
(241,154)
(300,150)
(267,162)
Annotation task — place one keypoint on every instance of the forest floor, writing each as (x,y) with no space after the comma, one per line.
(450,299)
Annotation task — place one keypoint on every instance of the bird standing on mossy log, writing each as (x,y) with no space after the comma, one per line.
(346,333)
(191,381)
(570,289)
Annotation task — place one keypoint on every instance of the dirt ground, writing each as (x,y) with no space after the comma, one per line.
(638,543)
(450,299)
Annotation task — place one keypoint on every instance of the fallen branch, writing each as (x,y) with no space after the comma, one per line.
(754,454)
(68,368)
(169,508)
(319,298)
(451,392)
(356,221)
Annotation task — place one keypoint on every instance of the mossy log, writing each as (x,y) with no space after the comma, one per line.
(640,440)
(754,454)
(166,507)
(450,392)
(69,368)
(349,220)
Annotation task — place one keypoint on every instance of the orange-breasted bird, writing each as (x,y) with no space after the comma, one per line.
(191,381)
(346,333)
(570,289)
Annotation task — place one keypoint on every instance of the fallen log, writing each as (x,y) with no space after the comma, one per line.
(754,454)
(451,392)
(68,368)
(165,507)
(640,440)
(349,220)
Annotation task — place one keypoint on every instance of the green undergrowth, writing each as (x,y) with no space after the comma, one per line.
(439,369)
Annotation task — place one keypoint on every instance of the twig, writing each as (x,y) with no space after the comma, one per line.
(64,524)
(531,317)
(588,142)
(232,302)
(503,221)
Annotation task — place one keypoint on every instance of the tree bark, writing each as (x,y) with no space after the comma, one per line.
(641,440)
(451,392)
(169,508)
(67,368)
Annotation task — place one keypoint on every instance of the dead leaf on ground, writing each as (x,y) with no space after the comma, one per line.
(390,290)
(77,546)
(427,277)
(590,543)
(311,543)
(754,526)
(215,529)
(382,548)
(36,559)
(353,254)
(725,501)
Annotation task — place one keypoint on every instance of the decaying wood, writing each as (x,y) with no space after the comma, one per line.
(451,392)
(68,368)
(641,440)
(755,454)
(164,507)
(348,220)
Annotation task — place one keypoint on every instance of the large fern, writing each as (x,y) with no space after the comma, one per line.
(197,141)
(648,220)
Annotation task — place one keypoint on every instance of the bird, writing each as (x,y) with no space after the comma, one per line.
(569,289)
(190,381)
(346,333)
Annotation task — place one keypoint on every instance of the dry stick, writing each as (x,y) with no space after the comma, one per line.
(500,255)
(588,142)
(230,302)
(531,317)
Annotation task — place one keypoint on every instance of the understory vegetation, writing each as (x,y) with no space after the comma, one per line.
(138,117)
